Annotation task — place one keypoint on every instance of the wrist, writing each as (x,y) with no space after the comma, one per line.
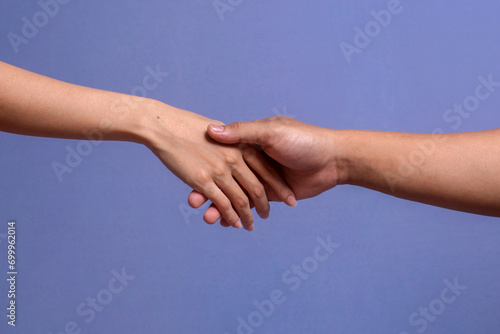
(159,125)
(366,156)
(126,118)
(340,157)
(145,122)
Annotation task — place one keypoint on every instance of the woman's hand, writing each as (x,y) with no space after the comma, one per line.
(231,176)
(36,105)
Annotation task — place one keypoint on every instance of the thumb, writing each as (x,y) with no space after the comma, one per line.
(255,132)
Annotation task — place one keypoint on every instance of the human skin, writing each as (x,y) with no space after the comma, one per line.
(231,176)
(459,171)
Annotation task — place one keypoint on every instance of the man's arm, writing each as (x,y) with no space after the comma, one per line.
(32,104)
(455,171)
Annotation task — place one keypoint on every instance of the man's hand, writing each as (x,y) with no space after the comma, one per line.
(458,171)
(306,154)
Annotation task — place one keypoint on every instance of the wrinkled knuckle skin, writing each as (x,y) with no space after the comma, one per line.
(258,191)
(241,203)
(275,126)
(247,220)
(249,223)
(199,179)
(278,121)
(219,171)
(231,159)
(236,126)
(224,205)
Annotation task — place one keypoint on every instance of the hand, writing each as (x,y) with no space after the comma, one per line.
(35,105)
(220,172)
(309,159)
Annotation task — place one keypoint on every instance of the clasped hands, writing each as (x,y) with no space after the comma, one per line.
(244,165)
(282,160)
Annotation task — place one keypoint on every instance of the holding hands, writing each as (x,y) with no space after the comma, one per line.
(233,177)
(223,163)
(306,156)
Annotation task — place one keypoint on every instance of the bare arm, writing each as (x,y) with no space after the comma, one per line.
(455,171)
(32,104)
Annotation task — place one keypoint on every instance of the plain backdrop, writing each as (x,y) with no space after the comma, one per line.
(121,209)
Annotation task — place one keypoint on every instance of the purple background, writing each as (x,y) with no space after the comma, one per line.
(121,208)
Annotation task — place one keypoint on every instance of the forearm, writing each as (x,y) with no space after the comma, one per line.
(32,104)
(455,171)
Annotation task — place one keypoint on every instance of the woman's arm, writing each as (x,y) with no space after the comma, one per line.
(35,105)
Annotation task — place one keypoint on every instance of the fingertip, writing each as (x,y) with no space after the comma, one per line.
(223,133)
(291,201)
(238,224)
(264,215)
(209,222)
(196,199)
(211,215)
(216,128)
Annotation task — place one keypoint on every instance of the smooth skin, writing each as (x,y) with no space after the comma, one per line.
(458,171)
(234,177)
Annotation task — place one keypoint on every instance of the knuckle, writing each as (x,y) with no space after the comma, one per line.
(275,125)
(219,170)
(264,208)
(236,125)
(275,119)
(279,120)
(249,221)
(258,191)
(200,178)
(231,159)
(278,124)
(224,205)
(284,190)
(241,203)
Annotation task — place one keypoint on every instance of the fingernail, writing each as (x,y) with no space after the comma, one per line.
(250,228)
(216,128)
(291,201)
(238,224)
